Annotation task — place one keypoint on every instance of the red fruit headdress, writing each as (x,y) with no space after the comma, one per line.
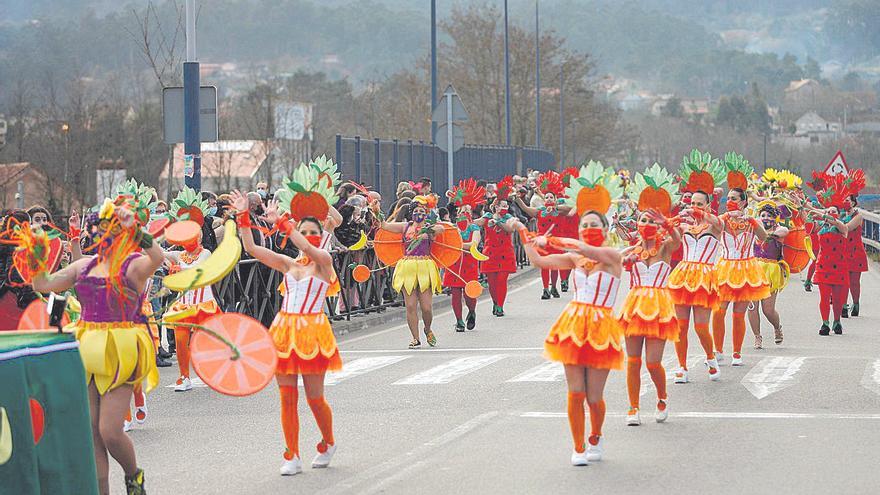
(467,192)
(505,187)
(551,182)
(838,188)
(568,173)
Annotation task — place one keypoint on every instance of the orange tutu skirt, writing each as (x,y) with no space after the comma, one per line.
(693,284)
(193,314)
(649,312)
(586,335)
(741,280)
(305,343)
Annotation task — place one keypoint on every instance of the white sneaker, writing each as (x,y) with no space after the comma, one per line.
(291,467)
(594,452)
(579,458)
(126,425)
(660,415)
(719,357)
(714,371)
(737,360)
(322,460)
(632,417)
(183,384)
(680,376)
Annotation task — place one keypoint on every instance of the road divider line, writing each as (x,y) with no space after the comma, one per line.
(451,370)
(451,349)
(771,375)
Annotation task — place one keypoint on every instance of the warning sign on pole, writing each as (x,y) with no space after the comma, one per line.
(837,165)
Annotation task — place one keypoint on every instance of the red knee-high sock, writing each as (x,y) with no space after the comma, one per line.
(597,419)
(855,286)
(456,301)
(501,290)
(323,416)
(545,277)
(576,419)
(718,329)
(554,277)
(633,380)
(739,331)
(181,342)
(658,376)
(702,331)
(290,420)
(838,299)
(824,301)
(490,278)
(681,347)
(563,274)
(811,270)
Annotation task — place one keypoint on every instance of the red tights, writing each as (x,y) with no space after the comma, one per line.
(498,287)
(457,294)
(811,270)
(855,286)
(831,295)
(549,277)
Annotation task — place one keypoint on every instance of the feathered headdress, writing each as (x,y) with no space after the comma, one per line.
(838,188)
(655,188)
(593,189)
(551,182)
(781,179)
(311,191)
(505,187)
(567,175)
(189,205)
(110,239)
(738,171)
(467,192)
(144,196)
(700,172)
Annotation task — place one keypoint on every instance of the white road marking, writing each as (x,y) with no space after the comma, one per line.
(196,383)
(450,371)
(548,372)
(362,366)
(771,375)
(724,415)
(871,379)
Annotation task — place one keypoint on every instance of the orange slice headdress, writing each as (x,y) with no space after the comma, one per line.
(700,172)
(738,171)
(655,188)
(593,189)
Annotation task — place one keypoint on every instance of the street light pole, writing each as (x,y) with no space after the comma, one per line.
(506,75)
(192,177)
(561,115)
(537,79)
(433,64)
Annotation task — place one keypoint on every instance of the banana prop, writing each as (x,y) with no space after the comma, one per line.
(213,269)
(5,437)
(360,244)
(477,254)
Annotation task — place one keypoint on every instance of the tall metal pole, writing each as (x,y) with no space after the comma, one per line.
(561,115)
(765,151)
(537,79)
(433,64)
(506,75)
(450,152)
(191,145)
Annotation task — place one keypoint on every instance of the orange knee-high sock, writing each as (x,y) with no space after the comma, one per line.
(290,420)
(181,343)
(323,416)
(658,376)
(128,415)
(633,379)
(681,347)
(718,317)
(576,419)
(702,330)
(597,418)
(739,331)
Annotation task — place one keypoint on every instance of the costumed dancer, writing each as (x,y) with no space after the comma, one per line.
(116,347)
(498,226)
(301,331)
(586,338)
(740,277)
(197,305)
(692,282)
(858,258)
(648,314)
(465,197)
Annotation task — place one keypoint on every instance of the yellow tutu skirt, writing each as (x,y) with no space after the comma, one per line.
(693,284)
(586,335)
(777,273)
(416,272)
(741,280)
(116,354)
(305,344)
(649,312)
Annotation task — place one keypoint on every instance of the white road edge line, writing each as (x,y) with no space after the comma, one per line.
(725,415)
(450,349)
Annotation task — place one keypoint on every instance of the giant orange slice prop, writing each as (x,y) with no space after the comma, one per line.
(388,246)
(183,232)
(36,317)
(216,363)
(446,248)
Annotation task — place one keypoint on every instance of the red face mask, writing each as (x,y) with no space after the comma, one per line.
(648,231)
(462,223)
(314,240)
(732,205)
(191,247)
(593,236)
(502,211)
(550,203)
(686,200)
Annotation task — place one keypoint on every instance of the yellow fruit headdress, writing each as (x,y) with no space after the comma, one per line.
(311,190)
(189,205)
(738,171)
(593,189)
(655,188)
(781,179)
(700,172)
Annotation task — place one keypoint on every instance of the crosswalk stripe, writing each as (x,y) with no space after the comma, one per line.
(871,379)
(547,372)
(771,375)
(452,370)
(362,366)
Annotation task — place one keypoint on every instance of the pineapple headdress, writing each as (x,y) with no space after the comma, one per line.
(700,172)
(781,179)
(311,191)
(189,205)
(144,198)
(593,189)
(551,182)
(838,188)
(738,171)
(467,192)
(655,188)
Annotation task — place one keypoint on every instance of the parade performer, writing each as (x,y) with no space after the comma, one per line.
(740,277)
(465,197)
(115,345)
(301,331)
(498,225)
(692,282)
(648,314)
(857,257)
(586,338)
(197,305)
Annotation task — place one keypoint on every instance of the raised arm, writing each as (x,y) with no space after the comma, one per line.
(528,210)
(475,240)
(550,261)
(61,280)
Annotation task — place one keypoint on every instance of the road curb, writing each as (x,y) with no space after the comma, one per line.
(398,314)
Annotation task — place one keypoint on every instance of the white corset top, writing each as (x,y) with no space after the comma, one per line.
(598,288)
(699,249)
(654,275)
(304,296)
(738,246)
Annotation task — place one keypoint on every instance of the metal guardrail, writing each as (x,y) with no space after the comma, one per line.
(871,230)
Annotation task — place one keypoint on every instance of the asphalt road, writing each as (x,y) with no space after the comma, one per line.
(484,413)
